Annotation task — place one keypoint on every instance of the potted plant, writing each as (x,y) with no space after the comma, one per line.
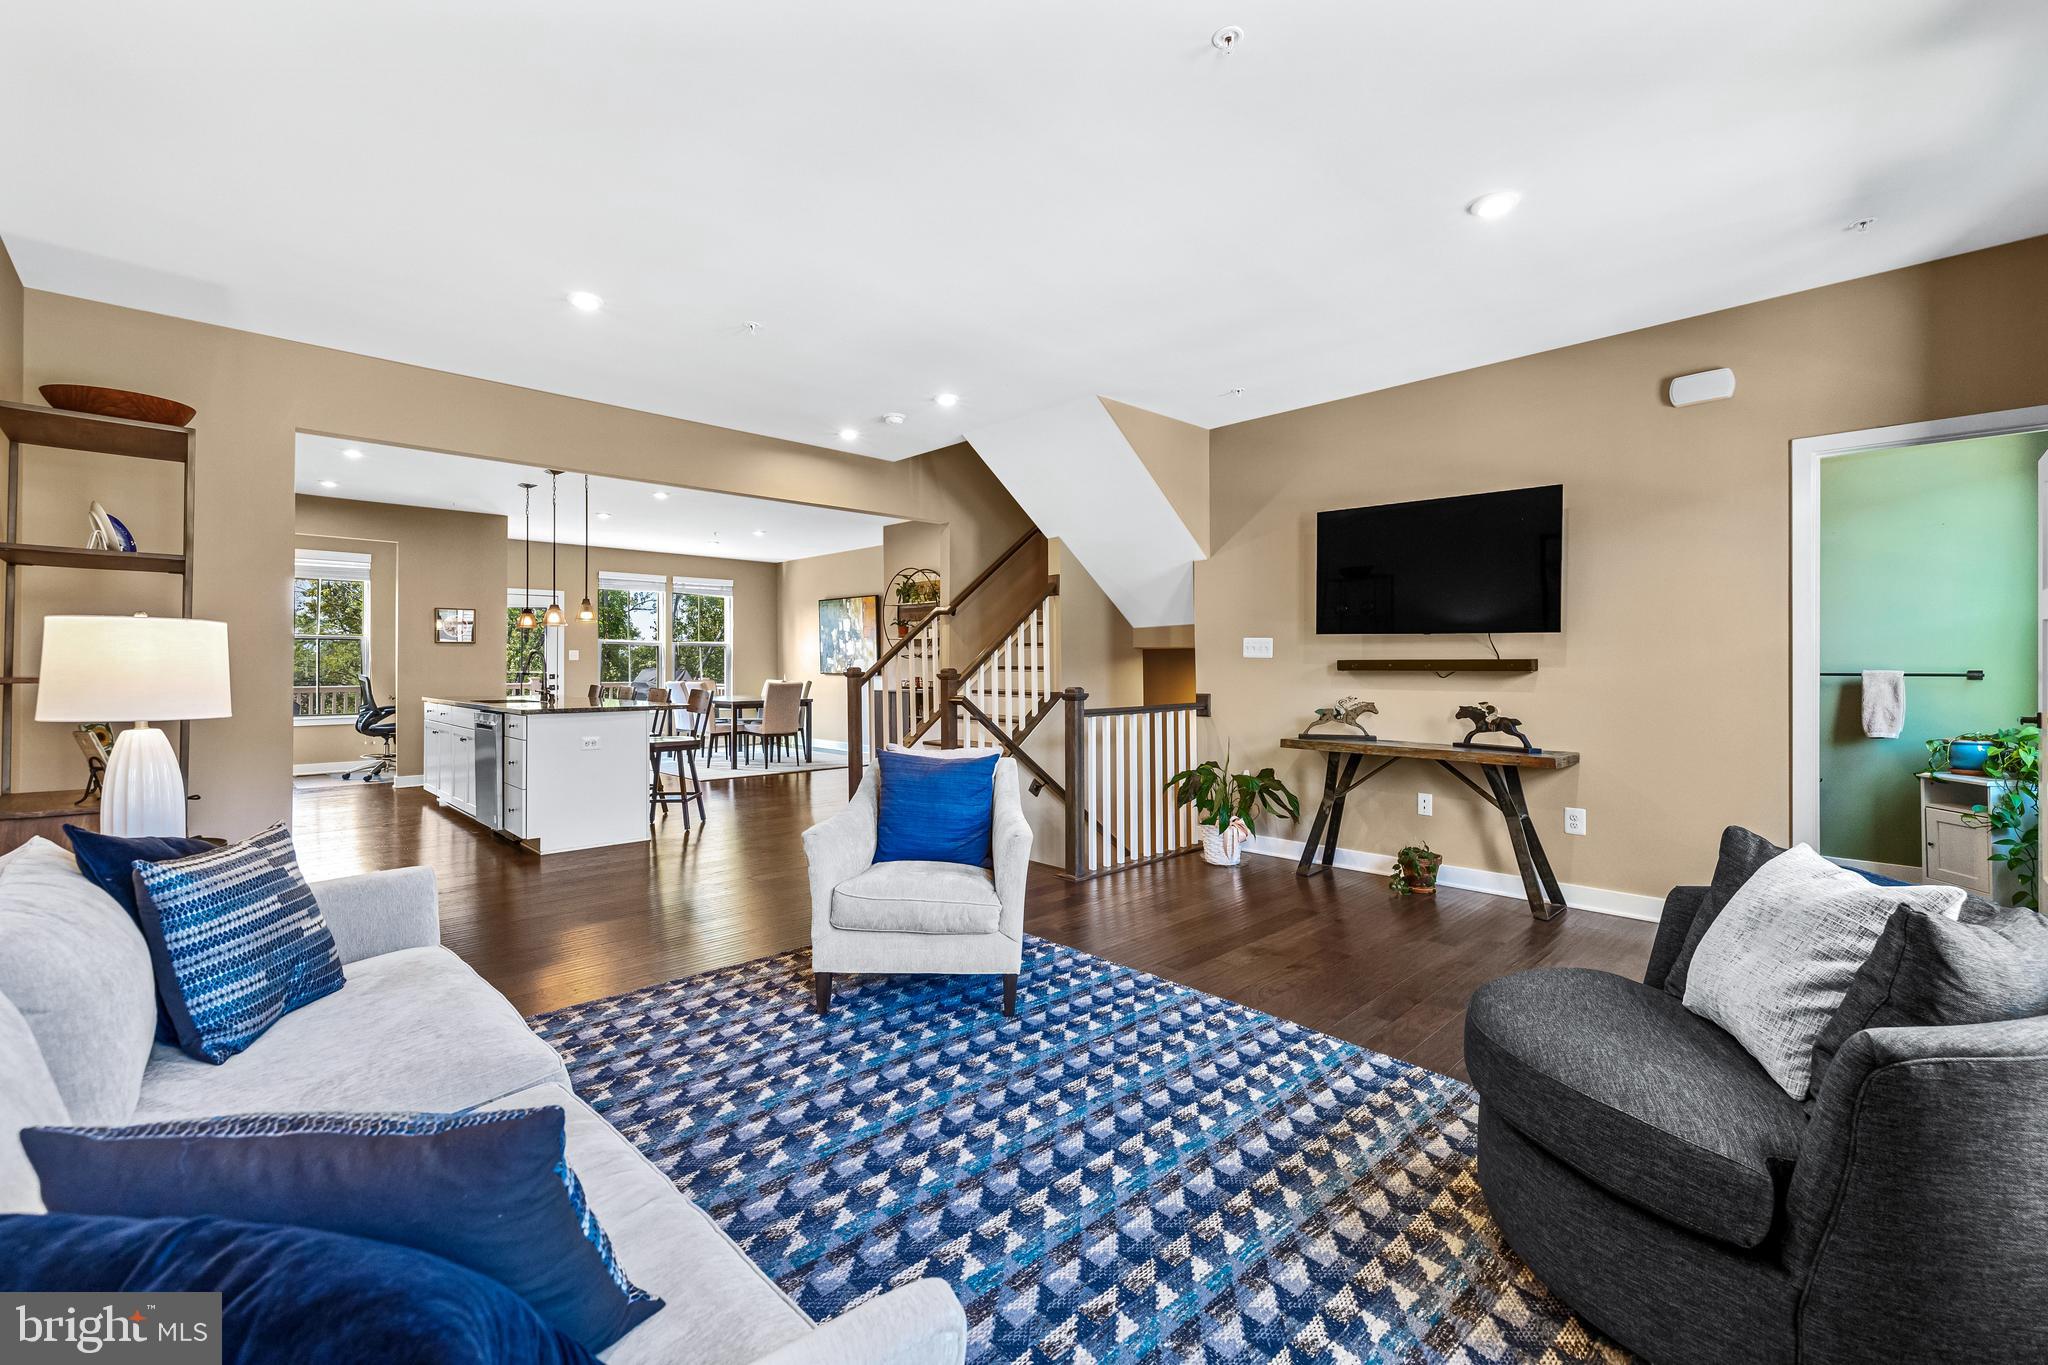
(2011,758)
(1415,869)
(1229,804)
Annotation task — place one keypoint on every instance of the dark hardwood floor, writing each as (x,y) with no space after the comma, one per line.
(1338,953)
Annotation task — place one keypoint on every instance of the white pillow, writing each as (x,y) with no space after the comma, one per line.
(1773,967)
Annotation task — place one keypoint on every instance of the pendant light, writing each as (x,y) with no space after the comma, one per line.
(586,612)
(525,620)
(554,613)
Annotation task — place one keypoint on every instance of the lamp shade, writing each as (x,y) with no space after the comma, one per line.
(125,668)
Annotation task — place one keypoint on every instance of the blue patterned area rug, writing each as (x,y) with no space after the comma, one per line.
(1130,1170)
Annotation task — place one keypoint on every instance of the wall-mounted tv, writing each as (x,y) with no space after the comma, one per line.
(1469,566)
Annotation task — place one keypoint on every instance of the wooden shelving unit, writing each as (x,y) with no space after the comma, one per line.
(25,424)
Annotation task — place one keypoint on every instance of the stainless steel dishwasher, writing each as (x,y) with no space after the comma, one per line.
(490,794)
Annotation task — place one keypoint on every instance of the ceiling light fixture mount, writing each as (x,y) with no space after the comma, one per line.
(1494,204)
(583,301)
(1226,39)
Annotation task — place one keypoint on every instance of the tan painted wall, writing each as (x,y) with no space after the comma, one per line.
(1671,675)
(337,743)
(804,582)
(253,393)
(11,309)
(912,545)
(445,559)
(1169,676)
(1176,455)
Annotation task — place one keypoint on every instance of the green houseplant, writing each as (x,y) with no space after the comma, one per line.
(1230,804)
(1415,869)
(2013,814)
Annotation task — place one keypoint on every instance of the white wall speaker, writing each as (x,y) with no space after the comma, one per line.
(1704,387)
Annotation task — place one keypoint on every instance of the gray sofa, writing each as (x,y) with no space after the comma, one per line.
(413,1029)
(1663,1186)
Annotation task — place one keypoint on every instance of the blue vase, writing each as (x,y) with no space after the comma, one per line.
(1968,755)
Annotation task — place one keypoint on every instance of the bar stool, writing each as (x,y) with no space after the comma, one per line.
(664,739)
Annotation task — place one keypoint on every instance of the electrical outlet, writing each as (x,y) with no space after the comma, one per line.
(1424,803)
(1258,646)
(1574,820)
(590,741)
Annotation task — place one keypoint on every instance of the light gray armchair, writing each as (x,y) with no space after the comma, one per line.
(914,916)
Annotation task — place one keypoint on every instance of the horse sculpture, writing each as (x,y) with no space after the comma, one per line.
(1487,720)
(1345,712)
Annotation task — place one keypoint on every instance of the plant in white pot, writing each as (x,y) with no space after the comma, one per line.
(1230,804)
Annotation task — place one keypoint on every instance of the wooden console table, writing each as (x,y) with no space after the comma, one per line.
(1502,769)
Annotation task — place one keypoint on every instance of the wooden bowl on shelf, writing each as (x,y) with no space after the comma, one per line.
(136,407)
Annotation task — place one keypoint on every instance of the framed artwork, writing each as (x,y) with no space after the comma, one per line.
(849,632)
(454,625)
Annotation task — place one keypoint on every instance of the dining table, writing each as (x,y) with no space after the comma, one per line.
(733,707)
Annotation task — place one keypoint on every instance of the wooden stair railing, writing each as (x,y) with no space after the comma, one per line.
(899,696)
(1120,814)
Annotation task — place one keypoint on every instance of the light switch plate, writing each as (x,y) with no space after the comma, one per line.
(590,741)
(1258,646)
(1574,820)
(575,655)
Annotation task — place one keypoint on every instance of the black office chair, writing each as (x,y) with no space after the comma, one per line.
(375,722)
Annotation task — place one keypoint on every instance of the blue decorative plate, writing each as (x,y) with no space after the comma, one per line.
(123,541)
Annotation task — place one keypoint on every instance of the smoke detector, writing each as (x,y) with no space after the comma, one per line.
(894,419)
(1226,39)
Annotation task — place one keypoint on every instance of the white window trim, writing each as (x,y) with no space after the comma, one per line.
(335,566)
(681,586)
(640,582)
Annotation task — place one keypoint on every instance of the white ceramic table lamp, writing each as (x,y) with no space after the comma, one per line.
(141,669)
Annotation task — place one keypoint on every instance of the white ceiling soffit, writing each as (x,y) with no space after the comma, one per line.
(1012,204)
(641,516)
(1071,470)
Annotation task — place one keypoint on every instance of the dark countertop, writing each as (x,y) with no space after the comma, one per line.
(534,708)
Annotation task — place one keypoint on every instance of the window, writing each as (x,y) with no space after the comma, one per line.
(628,628)
(536,654)
(700,629)
(330,626)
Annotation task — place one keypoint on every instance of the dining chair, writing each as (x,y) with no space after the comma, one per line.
(781,719)
(703,722)
(665,738)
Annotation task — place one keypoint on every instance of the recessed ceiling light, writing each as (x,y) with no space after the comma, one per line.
(329,483)
(947,400)
(1498,204)
(849,434)
(351,454)
(661,495)
(760,533)
(583,301)
(604,516)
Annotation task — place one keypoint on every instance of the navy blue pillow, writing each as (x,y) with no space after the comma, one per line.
(237,940)
(934,810)
(490,1191)
(289,1293)
(108,861)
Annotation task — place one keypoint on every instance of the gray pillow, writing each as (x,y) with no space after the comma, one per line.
(1928,970)
(28,1099)
(1742,853)
(1777,962)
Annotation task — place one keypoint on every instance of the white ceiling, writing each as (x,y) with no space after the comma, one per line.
(687,521)
(1020,204)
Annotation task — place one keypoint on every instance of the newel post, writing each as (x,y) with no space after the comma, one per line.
(1077,787)
(949,708)
(854,743)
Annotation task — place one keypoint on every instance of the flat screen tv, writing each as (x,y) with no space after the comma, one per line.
(1465,566)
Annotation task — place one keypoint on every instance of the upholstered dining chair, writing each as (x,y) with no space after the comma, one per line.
(702,720)
(781,721)
(914,917)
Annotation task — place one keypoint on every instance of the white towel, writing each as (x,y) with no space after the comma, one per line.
(1884,703)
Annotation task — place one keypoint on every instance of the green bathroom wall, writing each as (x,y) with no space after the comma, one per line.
(1926,563)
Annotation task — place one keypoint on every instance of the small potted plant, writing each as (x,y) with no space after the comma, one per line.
(1415,869)
(1229,804)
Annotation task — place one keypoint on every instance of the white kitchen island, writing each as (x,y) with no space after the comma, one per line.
(555,779)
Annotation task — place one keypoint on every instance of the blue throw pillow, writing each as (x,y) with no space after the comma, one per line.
(491,1191)
(108,861)
(934,810)
(237,940)
(287,1294)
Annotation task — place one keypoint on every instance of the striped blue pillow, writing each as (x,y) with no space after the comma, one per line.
(237,940)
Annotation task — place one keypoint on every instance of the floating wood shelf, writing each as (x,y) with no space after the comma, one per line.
(1487,665)
(65,557)
(30,425)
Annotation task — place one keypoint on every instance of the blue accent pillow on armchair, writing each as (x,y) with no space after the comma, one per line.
(237,940)
(934,810)
(491,1191)
(108,862)
(288,1294)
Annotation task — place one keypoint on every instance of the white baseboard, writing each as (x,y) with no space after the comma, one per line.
(338,765)
(1898,872)
(416,780)
(835,746)
(1600,900)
